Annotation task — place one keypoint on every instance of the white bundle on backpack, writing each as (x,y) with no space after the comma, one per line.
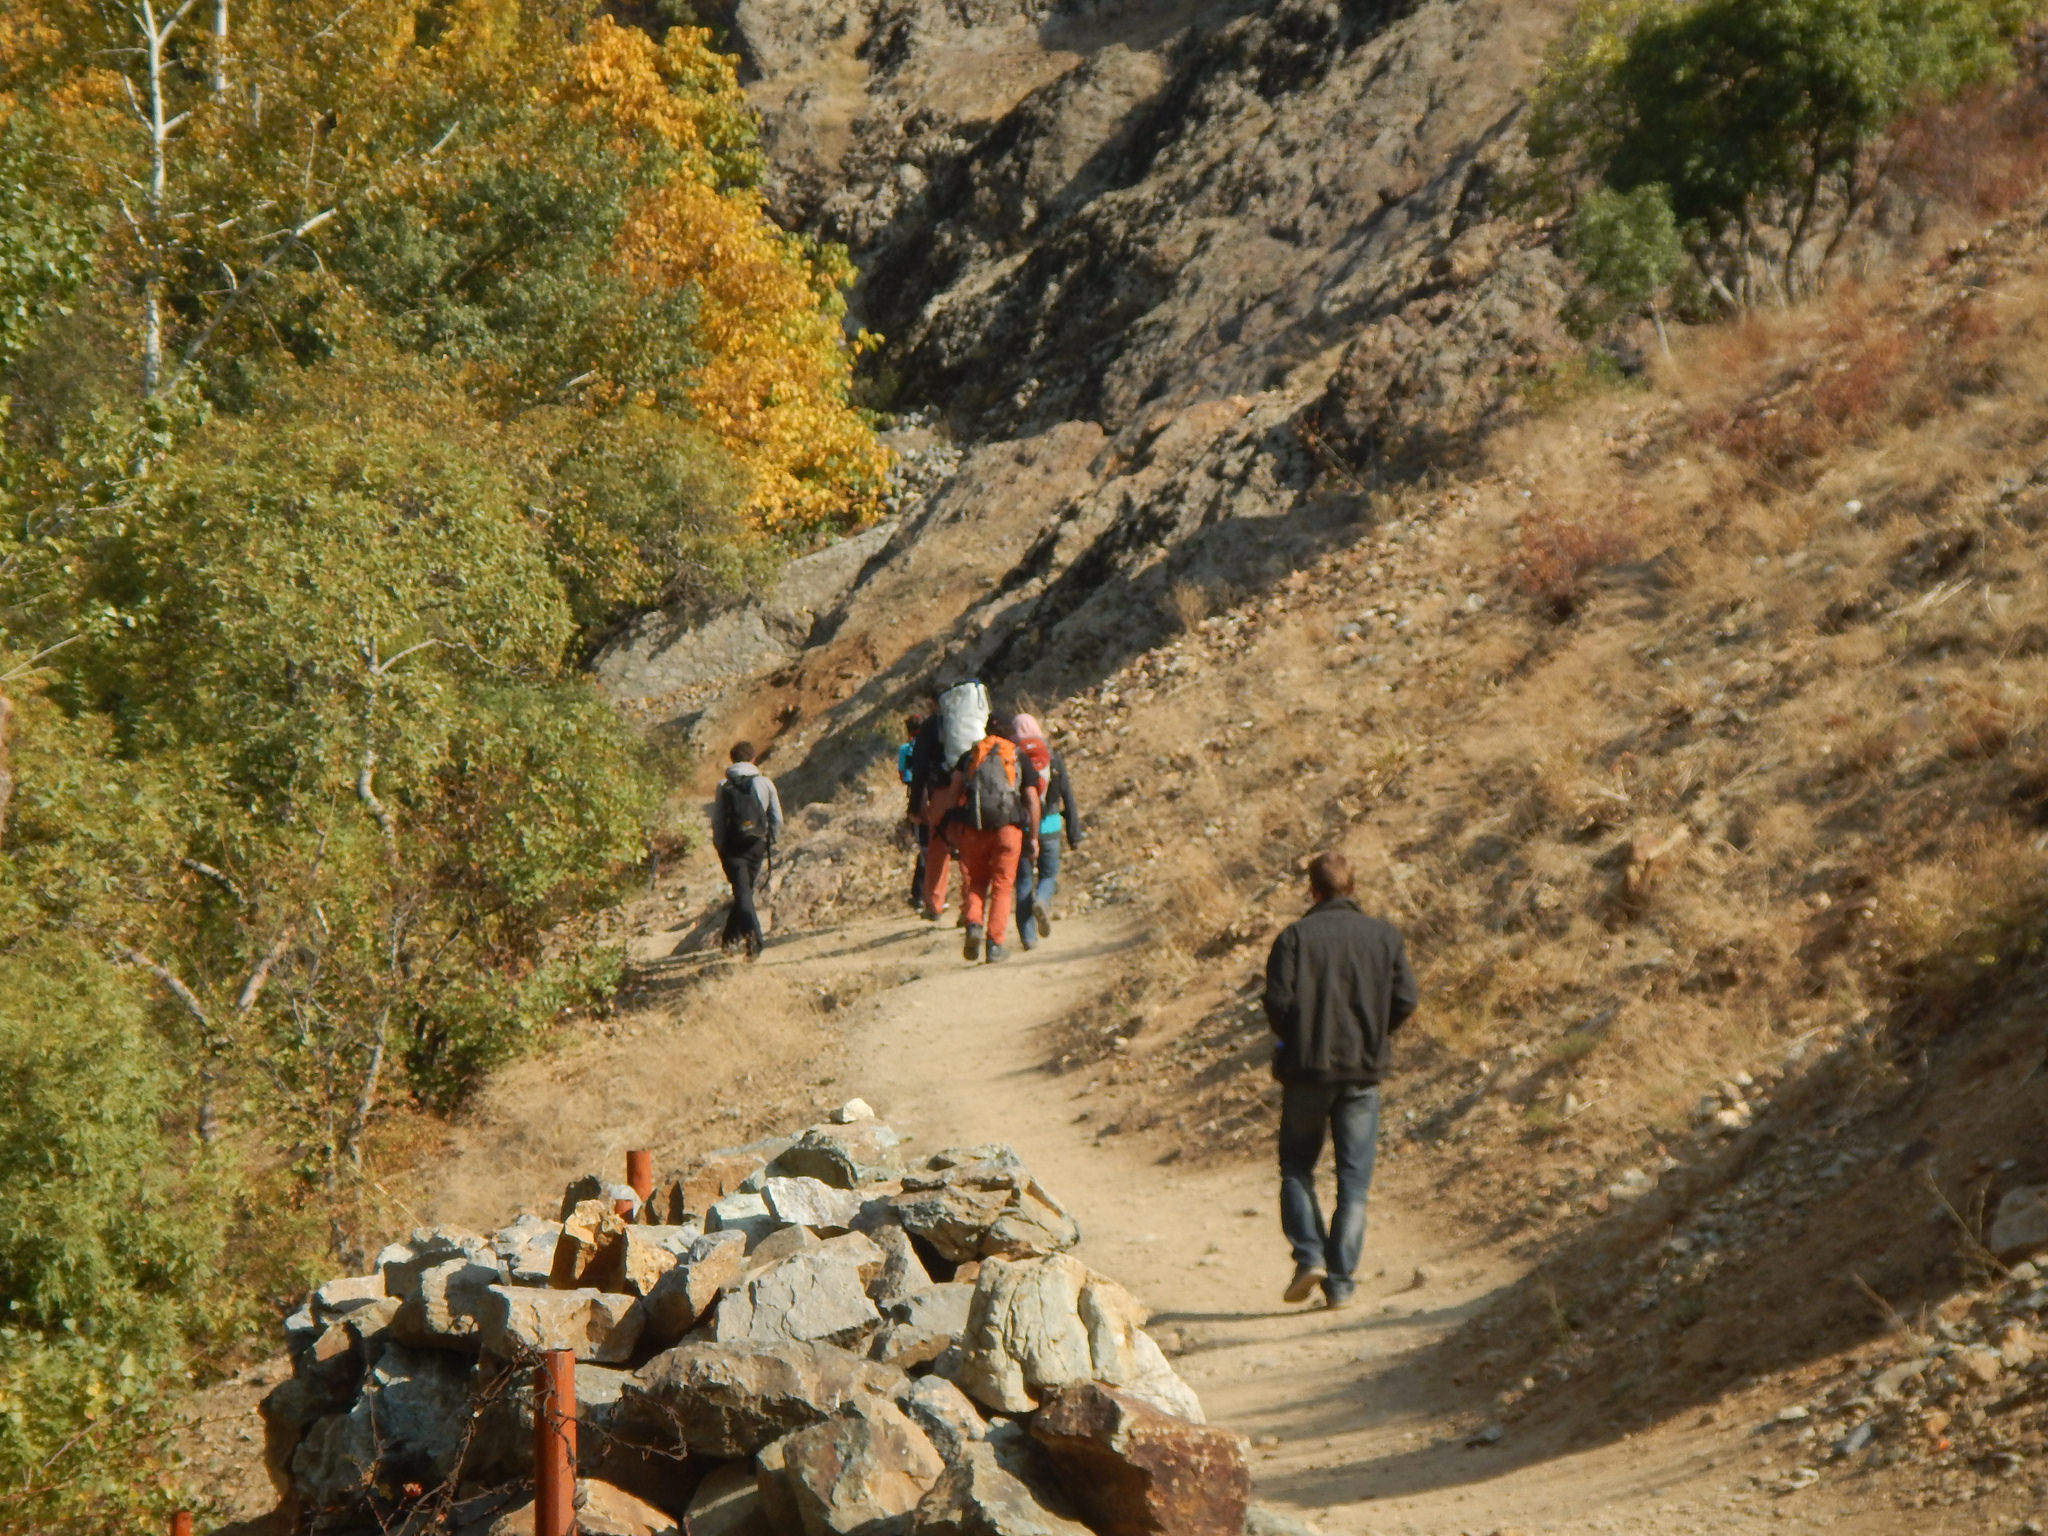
(963,720)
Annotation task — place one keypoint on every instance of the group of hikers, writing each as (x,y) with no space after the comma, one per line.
(990,791)
(987,790)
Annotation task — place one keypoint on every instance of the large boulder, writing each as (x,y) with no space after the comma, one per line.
(730,1170)
(527,1249)
(1036,1325)
(689,1289)
(745,1213)
(727,1503)
(946,1415)
(978,1496)
(729,1400)
(443,1303)
(599,1326)
(2019,1228)
(813,1297)
(1137,1471)
(843,1156)
(400,1263)
(812,1203)
(601,1510)
(903,1272)
(408,1425)
(339,1297)
(865,1470)
(982,1202)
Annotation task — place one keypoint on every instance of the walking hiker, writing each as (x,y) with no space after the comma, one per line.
(746,821)
(958,720)
(913,807)
(992,825)
(1337,987)
(1037,882)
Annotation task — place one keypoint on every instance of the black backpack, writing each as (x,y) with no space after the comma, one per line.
(994,796)
(742,818)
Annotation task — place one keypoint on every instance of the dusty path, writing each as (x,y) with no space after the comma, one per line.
(1351,1427)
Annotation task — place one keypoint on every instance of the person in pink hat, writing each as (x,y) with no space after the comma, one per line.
(1035,886)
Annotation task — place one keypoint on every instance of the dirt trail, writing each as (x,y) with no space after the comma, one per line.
(1352,1424)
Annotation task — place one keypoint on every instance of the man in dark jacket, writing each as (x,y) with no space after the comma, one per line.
(1337,987)
(746,823)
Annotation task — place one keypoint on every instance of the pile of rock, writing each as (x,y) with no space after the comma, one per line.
(810,1334)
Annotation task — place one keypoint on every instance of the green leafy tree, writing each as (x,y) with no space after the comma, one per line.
(1627,245)
(1763,121)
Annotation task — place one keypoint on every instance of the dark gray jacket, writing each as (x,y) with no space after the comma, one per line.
(1337,987)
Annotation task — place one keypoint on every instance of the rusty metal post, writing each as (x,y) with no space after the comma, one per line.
(181,1523)
(554,1444)
(640,1174)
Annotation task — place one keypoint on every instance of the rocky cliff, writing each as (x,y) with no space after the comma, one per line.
(1205,274)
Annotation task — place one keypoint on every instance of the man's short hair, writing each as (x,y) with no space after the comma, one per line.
(1329,876)
(743,751)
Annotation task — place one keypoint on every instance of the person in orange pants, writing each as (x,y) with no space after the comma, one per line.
(993,824)
(988,864)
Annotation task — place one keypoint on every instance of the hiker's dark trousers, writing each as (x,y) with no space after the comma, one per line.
(1351,1115)
(742,870)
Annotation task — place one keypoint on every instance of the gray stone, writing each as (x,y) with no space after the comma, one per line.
(937,1309)
(903,1272)
(813,1297)
(843,1156)
(978,1495)
(900,1344)
(587,1186)
(982,1202)
(2020,1227)
(408,1425)
(744,1213)
(949,1420)
(785,1243)
(599,1326)
(345,1295)
(527,1249)
(441,1307)
(401,1263)
(725,1400)
(591,1252)
(691,1288)
(865,1470)
(727,1503)
(812,1203)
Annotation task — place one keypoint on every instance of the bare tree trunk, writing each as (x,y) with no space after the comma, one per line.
(160,128)
(218,80)
(6,773)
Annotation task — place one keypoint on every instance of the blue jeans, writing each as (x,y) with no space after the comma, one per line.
(1352,1116)
(1037,887)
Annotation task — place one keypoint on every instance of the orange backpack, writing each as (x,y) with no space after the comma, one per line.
(993,796)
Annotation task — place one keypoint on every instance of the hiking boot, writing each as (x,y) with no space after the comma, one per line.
(972,948)
(1306,1278)
(1041,915)
(753,949)
(930,914)
(1029,941)
(997,952)
(1336,1297)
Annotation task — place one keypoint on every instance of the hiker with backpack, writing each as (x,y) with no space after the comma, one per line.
(746,821)
(959,719)
(993,826)
(913,808)
(1039,879)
